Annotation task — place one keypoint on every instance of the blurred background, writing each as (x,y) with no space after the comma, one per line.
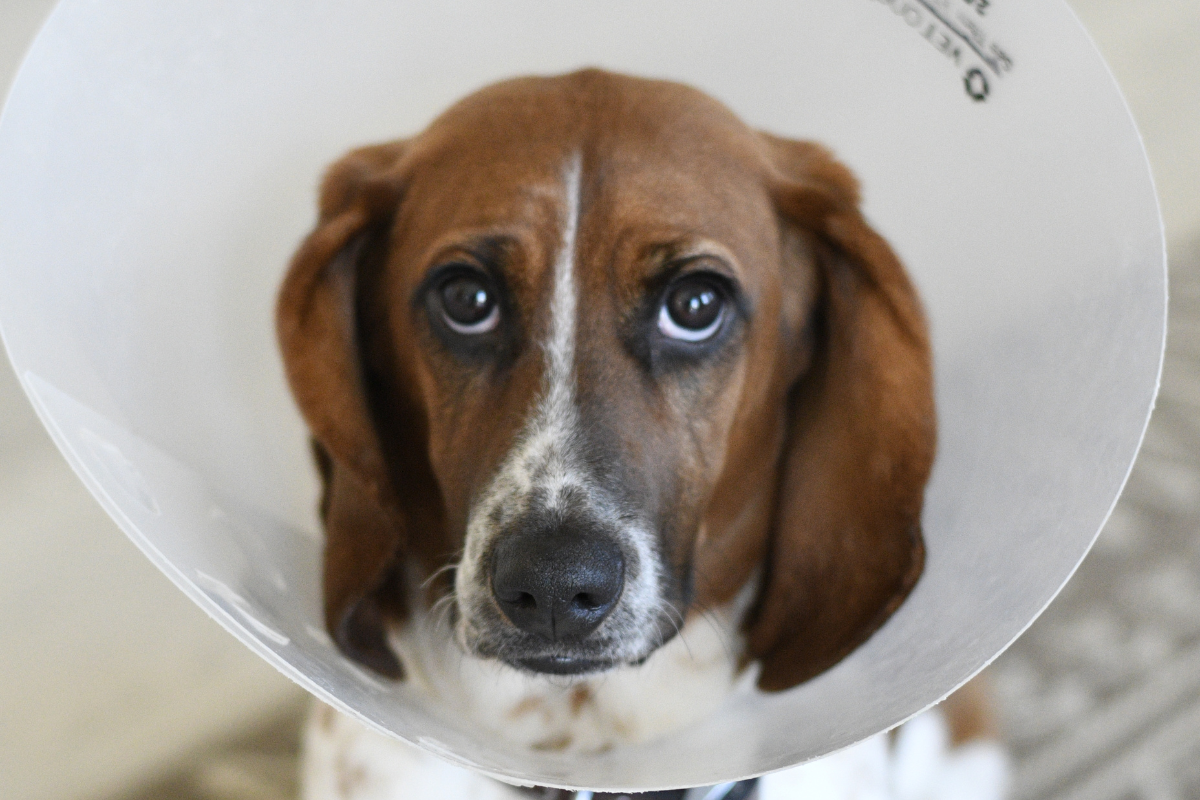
(1100,700)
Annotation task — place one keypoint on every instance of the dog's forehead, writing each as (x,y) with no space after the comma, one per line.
(604,109)
(661,163)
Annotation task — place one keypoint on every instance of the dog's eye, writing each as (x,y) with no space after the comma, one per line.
(692,310)
(469,304)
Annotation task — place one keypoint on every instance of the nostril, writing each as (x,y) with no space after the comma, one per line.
(516,598)
(586,601)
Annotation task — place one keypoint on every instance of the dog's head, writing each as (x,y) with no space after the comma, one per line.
(610,354)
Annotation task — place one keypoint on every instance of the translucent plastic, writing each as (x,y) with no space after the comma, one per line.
(158,164)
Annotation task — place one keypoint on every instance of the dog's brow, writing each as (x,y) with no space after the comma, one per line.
(486,247)
(670,257)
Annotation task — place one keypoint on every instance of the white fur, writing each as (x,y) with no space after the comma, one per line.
(681,683)
(557,418)
(345,760)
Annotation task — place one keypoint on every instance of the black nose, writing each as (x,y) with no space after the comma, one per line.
(559,586)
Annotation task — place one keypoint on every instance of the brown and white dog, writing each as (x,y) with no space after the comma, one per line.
(589,362)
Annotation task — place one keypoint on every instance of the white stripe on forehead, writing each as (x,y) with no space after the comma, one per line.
(547,451)
(560,346)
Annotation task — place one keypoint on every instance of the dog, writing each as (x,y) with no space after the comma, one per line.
(619,406)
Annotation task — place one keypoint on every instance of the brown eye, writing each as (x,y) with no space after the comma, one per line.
(693,310)
(469,304)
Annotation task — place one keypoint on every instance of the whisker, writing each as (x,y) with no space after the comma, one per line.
(440,613)
(678,625)
(724,631)
(425,584)
(710,617)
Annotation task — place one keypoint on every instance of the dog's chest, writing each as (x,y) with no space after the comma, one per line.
(345,760)
(682,682)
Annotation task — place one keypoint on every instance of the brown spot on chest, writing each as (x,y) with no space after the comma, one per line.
(581,696)
(554,744)
(528,705)
(351,777)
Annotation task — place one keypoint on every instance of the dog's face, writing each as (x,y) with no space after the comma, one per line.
(603,349)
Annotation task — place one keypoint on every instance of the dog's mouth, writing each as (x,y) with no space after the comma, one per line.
(578,659)
(563,665)
(485,634)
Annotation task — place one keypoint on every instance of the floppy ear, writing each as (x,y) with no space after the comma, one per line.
(317,325)
(846,547)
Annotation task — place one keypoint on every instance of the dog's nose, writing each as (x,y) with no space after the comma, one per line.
(559,587)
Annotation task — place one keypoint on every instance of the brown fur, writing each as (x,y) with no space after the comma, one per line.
(805,448)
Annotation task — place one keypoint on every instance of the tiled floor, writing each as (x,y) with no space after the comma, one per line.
(1102,695)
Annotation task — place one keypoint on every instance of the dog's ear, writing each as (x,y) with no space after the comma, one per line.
(317,323)
(846,545)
